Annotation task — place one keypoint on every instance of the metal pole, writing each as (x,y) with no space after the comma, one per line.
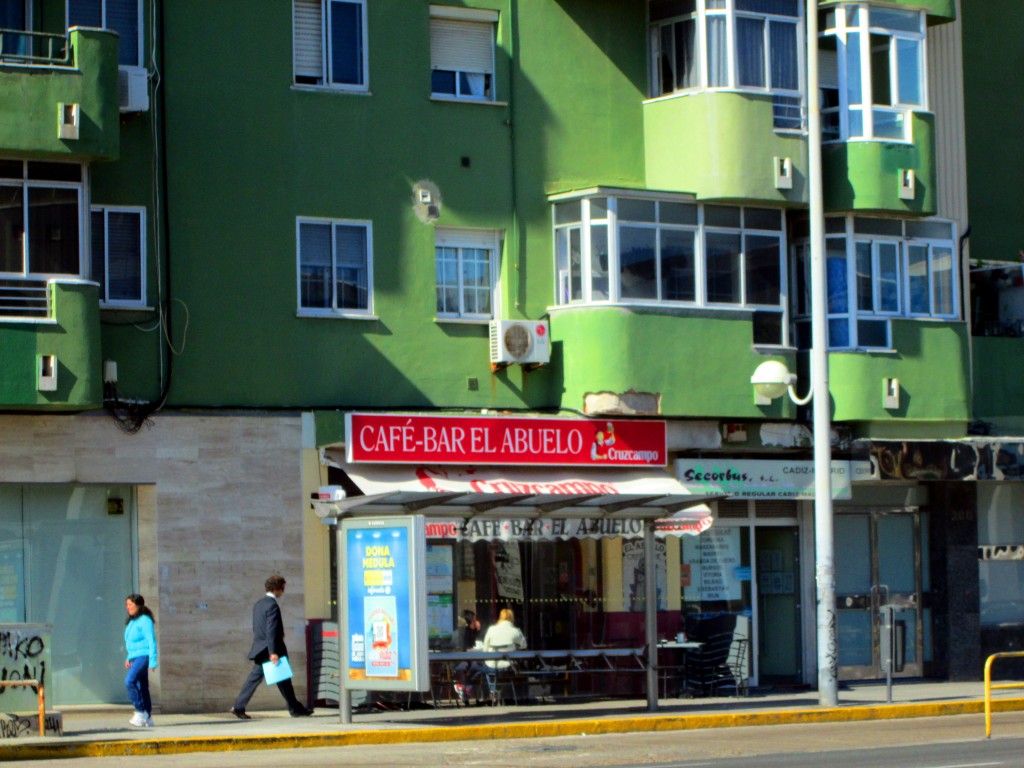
(651,614)
(344,694)
(827,644)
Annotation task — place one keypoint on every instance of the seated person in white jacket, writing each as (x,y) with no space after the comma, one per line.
(503,636)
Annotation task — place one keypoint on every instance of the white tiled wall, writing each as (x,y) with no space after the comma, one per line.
(219,510)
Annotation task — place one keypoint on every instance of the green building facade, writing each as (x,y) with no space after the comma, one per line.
(248,219)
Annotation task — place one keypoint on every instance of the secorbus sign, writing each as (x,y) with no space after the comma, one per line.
(416,439)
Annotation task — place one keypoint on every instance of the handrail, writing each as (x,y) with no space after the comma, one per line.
(998,687)
(54,50)
(25,299)
(40,694)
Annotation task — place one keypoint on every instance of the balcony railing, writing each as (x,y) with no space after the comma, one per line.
(24,300)
(35,48)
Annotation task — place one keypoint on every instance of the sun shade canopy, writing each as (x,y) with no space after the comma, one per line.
(524,502)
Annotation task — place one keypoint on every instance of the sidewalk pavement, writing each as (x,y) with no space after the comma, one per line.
(90,732)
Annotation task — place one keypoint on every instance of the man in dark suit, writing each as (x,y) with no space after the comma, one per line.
(267,645)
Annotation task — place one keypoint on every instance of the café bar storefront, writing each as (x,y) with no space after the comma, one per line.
(557,519)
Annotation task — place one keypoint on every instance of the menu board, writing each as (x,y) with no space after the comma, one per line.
(440,592)
(713,560)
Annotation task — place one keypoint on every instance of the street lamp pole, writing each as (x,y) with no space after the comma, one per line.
(824,545)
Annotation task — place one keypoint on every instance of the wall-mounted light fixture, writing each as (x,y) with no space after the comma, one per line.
(771,380)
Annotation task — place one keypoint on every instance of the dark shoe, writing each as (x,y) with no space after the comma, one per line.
(301,712)
(239,713)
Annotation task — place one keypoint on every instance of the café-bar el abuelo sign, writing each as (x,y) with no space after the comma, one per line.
(479,440)
(764,478)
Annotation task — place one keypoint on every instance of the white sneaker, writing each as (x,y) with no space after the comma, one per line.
(138,720)
(149,722)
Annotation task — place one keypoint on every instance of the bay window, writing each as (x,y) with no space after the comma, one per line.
(872,64)
(877,270)
(630,250)
(751,45)
(40,218)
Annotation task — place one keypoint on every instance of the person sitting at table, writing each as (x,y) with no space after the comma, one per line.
(503,636)
(470,630)
(469,673)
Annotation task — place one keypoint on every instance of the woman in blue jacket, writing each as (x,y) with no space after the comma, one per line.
(140,642)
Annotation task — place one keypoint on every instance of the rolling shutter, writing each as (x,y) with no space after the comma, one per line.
(461,46)
(308,39)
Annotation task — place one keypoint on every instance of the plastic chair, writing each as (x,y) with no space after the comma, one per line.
(733,672)
(705,665)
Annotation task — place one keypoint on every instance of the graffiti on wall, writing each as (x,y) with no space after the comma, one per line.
(15,726)
(24,655)
(947,460)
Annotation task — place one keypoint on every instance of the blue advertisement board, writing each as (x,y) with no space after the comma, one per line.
(382,580)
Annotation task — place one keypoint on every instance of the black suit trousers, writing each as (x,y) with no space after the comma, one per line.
(255,678)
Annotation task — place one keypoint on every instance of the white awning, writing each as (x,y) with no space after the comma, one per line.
(562,502)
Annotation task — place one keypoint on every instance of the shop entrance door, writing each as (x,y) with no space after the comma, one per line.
(778,600)
(878,560)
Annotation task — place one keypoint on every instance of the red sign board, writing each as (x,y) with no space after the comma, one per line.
(415,439)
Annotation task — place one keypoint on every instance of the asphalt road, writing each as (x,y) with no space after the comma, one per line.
(942,742)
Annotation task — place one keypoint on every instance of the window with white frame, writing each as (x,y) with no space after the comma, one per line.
(633,250)
(329,39)
(335,272)
(466,263)
(751,45)
(873,65)
(462,52)
(121,16)
(877,270)
(119,255)
(40,218)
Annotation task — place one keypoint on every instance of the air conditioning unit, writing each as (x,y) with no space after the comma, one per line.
(133,89)
(520,341)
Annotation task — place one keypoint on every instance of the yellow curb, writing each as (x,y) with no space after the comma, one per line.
(140,747)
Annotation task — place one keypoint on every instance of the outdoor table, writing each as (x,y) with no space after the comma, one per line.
(665,669)
(548,663)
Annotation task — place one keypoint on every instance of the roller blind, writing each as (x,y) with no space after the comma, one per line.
(462,46)
(308,34)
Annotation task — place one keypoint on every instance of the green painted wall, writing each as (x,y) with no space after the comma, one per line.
(246,160)
(998,377)
(578,125)
(864,175)
(29,97)
(721,146)
(578,97)
(73,336)
(992,108)
(679,357)
(931,363)
(132,338)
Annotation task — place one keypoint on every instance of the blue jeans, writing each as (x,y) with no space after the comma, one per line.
(137,683)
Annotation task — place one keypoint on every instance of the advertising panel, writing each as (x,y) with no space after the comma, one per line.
(382,575)
(764,478)
(480,440)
